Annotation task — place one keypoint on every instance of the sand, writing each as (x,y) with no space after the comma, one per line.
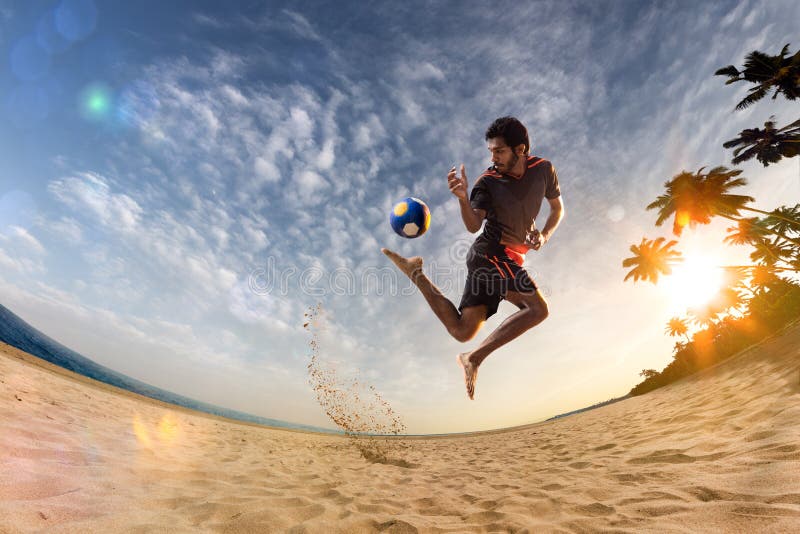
(718,452)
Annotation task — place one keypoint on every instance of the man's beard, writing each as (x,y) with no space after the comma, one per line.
(510,165)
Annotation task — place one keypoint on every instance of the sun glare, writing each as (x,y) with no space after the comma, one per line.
(693,282)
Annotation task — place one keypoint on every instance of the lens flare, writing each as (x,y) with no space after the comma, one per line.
(49,37)
(29,61)
(96,100)
(163,434)
(682,218)
(141,432)
(76,19)
(168,429)
(27,105)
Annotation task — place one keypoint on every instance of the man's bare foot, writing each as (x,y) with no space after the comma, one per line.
(411,267)
(470,372)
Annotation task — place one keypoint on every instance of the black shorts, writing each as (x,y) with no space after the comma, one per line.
(489,277)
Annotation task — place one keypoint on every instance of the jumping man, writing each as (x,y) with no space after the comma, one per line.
(508,195)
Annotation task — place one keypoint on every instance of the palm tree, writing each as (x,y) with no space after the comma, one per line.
(737,279)
(694,198)
(767,72)
(746,232)
(769,145)
(771,252)
(784,219)
(762,277)
(651,259)
(795,263)
(705,315)
(752,278)
(677,327)
(728,299)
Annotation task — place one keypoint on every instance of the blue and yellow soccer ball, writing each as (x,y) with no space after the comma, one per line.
(410,217)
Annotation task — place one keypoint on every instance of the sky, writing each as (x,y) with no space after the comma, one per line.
(181,181)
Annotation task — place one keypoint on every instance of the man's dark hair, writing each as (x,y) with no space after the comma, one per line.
(511,130)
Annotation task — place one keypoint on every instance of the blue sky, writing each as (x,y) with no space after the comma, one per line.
(228,143)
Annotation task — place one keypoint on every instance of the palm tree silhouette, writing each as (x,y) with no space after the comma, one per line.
(746,232)
(769,253)
(755,279)
(694,198)
(705,315)
(768,145)
(677,327)
(737,278)
(762,277)
(728,299)
(784,219)
(779,72)
(651,259)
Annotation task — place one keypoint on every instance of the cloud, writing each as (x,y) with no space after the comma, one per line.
(186,260)
(21,252)
(301,26)
(419,72)
(21,264)
(266,170)
(91,192)
(208,21)
(65,228)
(28,241)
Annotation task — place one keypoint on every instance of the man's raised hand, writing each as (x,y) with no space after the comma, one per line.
(458,185)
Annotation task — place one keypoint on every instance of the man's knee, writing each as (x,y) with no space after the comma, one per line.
(542,311)
(471,321)
(463,333)
(537,309)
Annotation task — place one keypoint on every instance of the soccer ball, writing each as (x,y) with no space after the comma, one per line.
(410,217)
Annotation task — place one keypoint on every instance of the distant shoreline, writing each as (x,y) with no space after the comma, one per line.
(11,351)
(56,357)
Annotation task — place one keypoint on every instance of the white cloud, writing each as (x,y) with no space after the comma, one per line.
(302,26)
(208,21)
(91,192)
(21,264)
(235,96)
(188,262)
(418,72)
(28,241)
(21,252)
(369,132)
(65,228)
(266,170)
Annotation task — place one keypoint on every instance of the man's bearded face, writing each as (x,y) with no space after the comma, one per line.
(503,156)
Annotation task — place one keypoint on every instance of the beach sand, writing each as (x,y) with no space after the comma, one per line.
(717,452)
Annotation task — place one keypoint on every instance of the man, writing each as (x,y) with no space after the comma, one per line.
(508,195)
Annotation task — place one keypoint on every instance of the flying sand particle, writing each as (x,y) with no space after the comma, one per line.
(358,409)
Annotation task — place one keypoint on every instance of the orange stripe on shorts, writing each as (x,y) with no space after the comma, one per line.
(499,270)
(506,266)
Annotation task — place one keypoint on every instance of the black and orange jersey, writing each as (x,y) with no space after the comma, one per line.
(512,204)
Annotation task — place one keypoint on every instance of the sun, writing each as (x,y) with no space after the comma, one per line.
(693,282)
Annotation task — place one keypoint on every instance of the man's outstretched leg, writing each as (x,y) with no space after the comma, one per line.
(532,311)
(462,326)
